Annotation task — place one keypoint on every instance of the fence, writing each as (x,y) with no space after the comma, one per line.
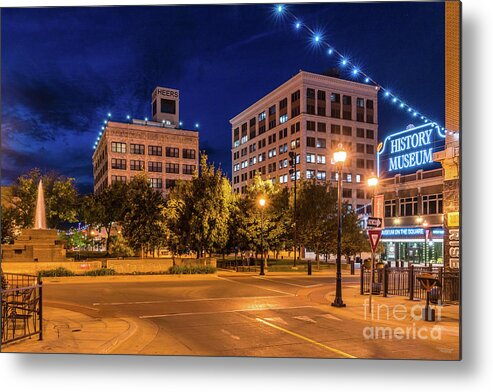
(21,307)
(404,282)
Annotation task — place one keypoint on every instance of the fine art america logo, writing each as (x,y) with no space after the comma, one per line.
(408,149)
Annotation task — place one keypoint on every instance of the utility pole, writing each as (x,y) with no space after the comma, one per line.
(292,163)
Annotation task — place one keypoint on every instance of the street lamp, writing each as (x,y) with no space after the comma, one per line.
(292,163)
(339,157)
(425,248)
(372,183)
(261,202)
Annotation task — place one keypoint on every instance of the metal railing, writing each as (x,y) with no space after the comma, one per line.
(403,282)
(20,307)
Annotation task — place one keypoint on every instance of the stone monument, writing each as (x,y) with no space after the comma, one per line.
(36,244)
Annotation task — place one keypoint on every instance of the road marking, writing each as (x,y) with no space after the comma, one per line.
(290,284)
(276,320)
(230,334)
(334,350)
(223,311)
(329,316)
(305,318)
(185,300)
(259,287)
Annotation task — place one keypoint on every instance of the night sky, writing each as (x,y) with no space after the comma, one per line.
(63,69)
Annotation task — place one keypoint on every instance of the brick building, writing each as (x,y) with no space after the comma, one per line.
(309,114)
(160,148)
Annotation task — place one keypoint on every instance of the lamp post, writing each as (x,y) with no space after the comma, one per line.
(425,248)
(292,163)
(372,183)
(339,157)
(261,202)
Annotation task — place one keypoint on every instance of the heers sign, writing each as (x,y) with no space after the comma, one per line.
(166,93)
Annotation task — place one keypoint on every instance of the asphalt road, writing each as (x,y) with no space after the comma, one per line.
(232,315)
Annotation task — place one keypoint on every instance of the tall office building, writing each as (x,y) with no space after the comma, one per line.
(161,148)
(310,114)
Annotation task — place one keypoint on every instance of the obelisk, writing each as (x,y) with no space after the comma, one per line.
(40,214)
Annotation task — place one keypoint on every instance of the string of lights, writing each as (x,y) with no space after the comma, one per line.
(129,119)
(282,11)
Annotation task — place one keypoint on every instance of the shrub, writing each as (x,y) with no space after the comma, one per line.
(101,272)
(60,271)
(191,269)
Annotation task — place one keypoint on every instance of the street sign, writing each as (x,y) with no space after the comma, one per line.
(374,237)
(373,222)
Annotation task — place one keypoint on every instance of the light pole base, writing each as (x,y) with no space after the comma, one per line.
(338,303)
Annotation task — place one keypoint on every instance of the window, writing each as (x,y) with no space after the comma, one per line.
(310,125)
(360,132)
(369,148)
(390,208)
(347,193)
(360,163)
(188,169)
(173,168)
(360,194)
(321,143)
(335,97)
(310,158)
(347,131)
(283,104)
(295,96)
(156,167)
(118,178)
(188,153)
(172,152)
(137,149)
(359,178)
(261,116)
(321,175)
(168,106)
(272,123)
(272,110)
(347,177)
(369,164)
(137,165)
(295,111)
(335,129)
(253,161)
(321,159)
(155,150)
(321,127)
(261,157)
(369,134)
(369,104)
(310,174)
(156,183)
(271,153)
(409,206)
(360,102)
(170,184)
(432,204)
(310,93)
(321,95)
(119,147)
(283,119)
(283,179)
(310,142)
(360,147)
(120,164)
(346,100)
(295,143)
(310,109)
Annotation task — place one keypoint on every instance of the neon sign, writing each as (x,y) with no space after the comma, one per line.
(408,149)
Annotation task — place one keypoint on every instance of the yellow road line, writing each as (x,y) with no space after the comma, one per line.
(334,350)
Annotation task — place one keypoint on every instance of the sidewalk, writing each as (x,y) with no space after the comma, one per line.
(66,331)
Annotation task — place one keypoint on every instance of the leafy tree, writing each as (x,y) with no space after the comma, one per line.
(120,247)
(316,216)
(60,198)
(143,223)
(9,225)
(105,209)
(75,239)
(353,240)
(276,221)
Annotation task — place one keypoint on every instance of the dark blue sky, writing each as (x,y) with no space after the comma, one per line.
(63,69)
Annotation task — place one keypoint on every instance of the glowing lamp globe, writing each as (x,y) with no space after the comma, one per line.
(340,155)
(261,202)
(373,181)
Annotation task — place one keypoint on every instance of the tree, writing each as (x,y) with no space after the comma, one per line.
(316,216)
(60,198)
(9,225)
(105,209)
(353,240)
(143,223)
(276,217)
